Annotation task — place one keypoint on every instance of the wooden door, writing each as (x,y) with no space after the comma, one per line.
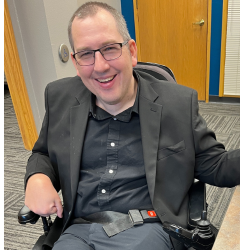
(167,34)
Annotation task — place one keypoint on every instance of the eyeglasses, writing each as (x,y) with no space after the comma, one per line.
(109,52)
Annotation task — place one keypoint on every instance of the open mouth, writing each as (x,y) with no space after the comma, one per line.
(109,79)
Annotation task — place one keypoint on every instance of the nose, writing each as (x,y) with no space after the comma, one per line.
(100,65)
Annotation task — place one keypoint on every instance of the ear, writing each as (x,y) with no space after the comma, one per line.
(75,64)
(133,52)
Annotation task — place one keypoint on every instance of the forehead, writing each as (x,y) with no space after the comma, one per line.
(94,31)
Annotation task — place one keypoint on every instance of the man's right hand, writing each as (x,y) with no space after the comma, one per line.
(41,197)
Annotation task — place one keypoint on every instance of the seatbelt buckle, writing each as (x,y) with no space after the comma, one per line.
(135,217)
(149,216)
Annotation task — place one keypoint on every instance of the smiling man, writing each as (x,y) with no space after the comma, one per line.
(107,73)
(116,141)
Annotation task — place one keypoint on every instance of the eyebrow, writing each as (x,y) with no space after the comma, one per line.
(103,44)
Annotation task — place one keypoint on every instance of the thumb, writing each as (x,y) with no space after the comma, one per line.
(59,208)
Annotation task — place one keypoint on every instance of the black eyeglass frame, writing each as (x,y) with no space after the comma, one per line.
(121,44)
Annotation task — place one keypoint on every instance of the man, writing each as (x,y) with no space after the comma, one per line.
(115,140)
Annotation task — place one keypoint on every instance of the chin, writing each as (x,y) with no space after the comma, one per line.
(111,102)
(110,99)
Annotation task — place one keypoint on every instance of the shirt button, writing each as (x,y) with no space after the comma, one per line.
(103,191)
(112,144)
(110,171)
(114,118)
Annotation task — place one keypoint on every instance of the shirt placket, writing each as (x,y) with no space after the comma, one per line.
(107,178)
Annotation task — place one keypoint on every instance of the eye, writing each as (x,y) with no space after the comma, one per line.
(111,48)
(84,54)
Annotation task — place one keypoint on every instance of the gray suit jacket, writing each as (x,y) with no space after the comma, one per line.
(177,145)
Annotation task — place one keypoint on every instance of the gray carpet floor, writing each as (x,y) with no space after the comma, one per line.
(224,119)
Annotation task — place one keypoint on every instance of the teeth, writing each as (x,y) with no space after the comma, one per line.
(106,80)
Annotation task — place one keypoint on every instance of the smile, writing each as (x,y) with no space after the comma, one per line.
(106,80)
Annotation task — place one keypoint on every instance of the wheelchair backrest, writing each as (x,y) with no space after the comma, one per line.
(159,71)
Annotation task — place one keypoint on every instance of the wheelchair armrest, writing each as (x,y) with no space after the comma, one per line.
(25,215)
(197,203)
(201,235)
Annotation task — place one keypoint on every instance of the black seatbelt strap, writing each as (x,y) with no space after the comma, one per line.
(114,222)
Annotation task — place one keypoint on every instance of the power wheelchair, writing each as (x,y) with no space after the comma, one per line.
(200,234)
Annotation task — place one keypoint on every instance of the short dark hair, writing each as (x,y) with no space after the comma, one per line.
(91,9)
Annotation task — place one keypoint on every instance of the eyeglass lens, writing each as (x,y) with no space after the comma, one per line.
(109,52)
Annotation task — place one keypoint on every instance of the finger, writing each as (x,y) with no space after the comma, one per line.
(53,210)
(59,208)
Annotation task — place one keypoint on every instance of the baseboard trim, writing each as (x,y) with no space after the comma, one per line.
(234,100)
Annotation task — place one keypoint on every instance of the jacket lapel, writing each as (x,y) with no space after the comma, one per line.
(78,123)
(150,118)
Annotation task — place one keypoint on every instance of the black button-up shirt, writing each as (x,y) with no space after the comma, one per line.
(112,175)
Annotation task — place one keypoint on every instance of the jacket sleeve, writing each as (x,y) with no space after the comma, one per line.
(213,164)
(39,161)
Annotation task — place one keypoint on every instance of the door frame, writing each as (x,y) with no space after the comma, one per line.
(209,9)
(16,84)
(223,47)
